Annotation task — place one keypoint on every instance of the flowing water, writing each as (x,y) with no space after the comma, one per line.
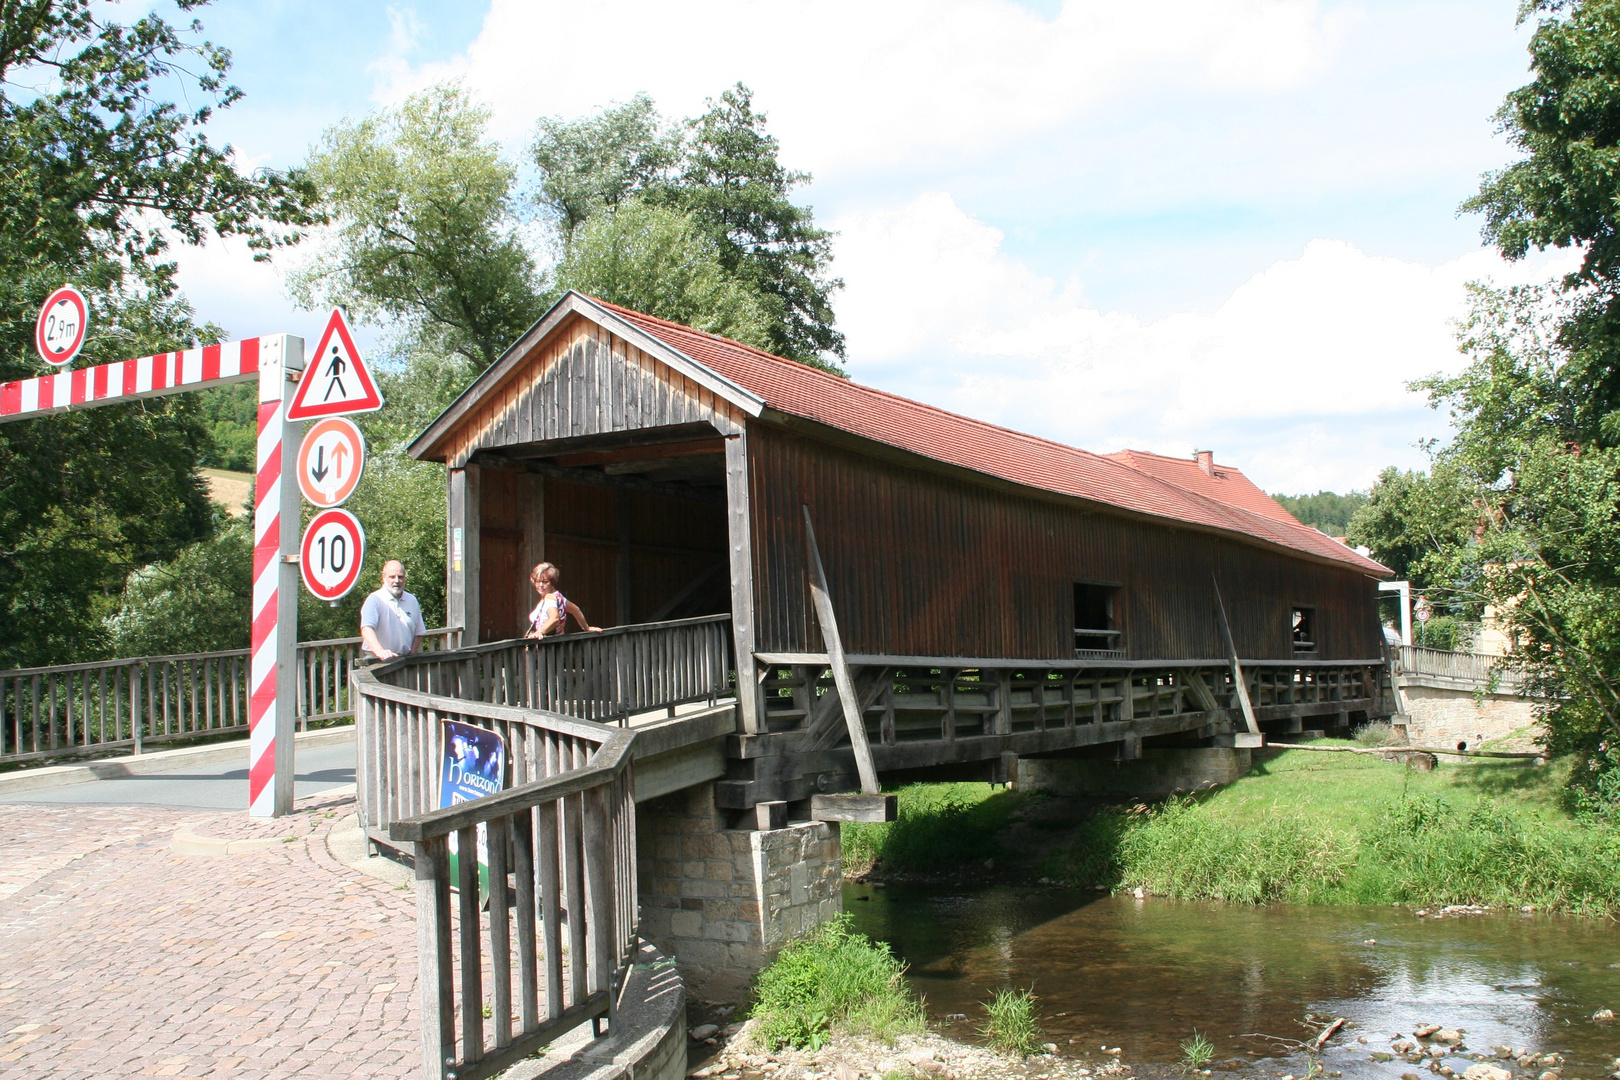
(1143,975)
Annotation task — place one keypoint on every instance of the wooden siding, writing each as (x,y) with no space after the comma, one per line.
(925,565)
(584,380)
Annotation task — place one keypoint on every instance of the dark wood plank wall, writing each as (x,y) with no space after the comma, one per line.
(924,565)
(670,542)
(504,593)
(586,381)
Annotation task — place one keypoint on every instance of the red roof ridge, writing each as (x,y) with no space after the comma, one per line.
(798,368)
(1172,504)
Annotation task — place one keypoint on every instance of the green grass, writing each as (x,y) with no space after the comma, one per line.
(1303,827)
(833,980)
(1196,1052)
(1348,828)
(1009,1022)
(938,827)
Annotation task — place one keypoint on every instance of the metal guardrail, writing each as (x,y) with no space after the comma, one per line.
(67,710)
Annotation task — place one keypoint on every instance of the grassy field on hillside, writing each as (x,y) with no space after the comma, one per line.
(1303,827)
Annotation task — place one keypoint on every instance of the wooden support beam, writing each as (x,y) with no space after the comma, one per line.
(740,553)
(840,669)
(863,807)
(823,729)
(1201,693)
(1238,678)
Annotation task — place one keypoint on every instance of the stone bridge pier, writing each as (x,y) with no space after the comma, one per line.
(723,901)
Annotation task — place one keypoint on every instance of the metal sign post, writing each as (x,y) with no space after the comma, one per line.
(273,682)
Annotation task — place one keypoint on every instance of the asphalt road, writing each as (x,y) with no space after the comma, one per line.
(192,787)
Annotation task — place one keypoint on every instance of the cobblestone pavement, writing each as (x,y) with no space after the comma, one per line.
(120,958)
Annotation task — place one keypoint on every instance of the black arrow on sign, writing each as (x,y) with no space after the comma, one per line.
(320,470)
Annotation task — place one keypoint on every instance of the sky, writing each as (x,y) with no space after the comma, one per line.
(1171,225)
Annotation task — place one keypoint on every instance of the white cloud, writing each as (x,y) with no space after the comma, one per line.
(856,85)
(1299,376)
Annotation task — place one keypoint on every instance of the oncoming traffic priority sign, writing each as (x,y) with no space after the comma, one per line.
(330,557)
(330,461)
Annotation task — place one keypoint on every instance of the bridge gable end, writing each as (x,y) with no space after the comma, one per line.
(578,377)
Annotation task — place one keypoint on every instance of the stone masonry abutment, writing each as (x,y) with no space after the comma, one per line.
(724,901)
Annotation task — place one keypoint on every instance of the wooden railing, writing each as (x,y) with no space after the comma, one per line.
(908,699)
(71,709)
(1470,670)
(607,677)
(564,835)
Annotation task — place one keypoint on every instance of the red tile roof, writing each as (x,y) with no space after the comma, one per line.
(1143,483)
(1225,484)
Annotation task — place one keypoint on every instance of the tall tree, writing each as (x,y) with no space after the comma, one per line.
(659,260)
(596,163)
(425,231)
(98,171)
(722,172)
(1562,191)
(734,185)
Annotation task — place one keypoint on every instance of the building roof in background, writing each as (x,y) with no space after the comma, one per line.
(1223,483)
(1131,480)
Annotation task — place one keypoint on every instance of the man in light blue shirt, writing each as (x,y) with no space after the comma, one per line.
(390,620)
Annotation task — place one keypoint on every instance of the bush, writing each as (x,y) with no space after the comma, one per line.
(833,979)
(1376,733)
(1009,1022)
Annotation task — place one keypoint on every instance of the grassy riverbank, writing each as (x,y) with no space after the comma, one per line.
(1303,827)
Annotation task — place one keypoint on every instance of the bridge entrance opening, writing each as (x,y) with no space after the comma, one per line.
(635,522)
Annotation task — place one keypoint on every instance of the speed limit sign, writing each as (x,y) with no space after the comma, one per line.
(334,546)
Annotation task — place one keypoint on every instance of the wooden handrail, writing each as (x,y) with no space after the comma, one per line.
(70,709)
(564,839)
(606,764)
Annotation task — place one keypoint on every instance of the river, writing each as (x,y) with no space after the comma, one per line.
(1142,975)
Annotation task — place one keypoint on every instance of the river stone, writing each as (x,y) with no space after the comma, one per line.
(704,1031)
(1437,1052)
(1448,1035)
(1483,1071)
(1550,1075)
(1410,1076)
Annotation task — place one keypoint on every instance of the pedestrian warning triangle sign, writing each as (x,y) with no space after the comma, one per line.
(335,381)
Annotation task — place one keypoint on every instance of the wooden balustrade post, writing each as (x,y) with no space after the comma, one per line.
(135,723)
(434,979)
(472,970)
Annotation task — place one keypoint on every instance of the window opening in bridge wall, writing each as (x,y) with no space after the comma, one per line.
(1096,620)
(1303,622)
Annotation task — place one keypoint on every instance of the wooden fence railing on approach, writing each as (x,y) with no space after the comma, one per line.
(71,709)
(564,835)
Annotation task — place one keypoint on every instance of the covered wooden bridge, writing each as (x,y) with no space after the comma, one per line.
(811,586)
(994,594)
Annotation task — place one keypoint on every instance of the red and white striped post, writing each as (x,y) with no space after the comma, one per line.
(275,361)
(273,681)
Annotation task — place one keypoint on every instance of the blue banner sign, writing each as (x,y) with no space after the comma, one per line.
(474,765)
